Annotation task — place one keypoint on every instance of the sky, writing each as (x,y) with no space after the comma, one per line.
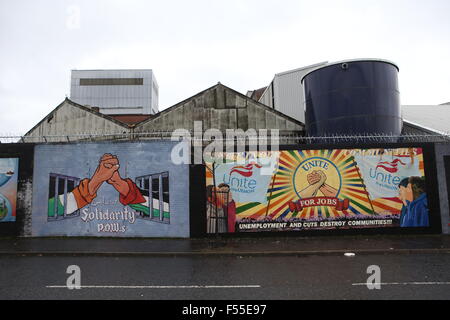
(192,45)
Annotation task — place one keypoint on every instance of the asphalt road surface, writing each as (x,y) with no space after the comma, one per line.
(414,276)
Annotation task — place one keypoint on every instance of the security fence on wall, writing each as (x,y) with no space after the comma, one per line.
(287,137)
(159,189)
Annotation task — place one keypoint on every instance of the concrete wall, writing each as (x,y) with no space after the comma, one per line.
(109,213)
(221,108)
(70,120)
(443,184)
(36,162)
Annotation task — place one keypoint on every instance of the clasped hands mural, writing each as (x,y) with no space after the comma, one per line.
(120,189)
(83,194)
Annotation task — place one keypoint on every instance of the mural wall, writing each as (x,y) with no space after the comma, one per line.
(317,189)
(9,170)
(104,189)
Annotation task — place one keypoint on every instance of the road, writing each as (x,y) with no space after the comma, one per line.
(413,276)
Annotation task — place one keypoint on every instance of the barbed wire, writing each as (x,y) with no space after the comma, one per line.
(281,138)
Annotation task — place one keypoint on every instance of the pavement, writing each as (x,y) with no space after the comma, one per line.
(263,246)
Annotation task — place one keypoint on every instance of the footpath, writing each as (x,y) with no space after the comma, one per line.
(280,246)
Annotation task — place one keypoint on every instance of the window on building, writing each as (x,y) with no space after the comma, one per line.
(155,187)
(60,187)
(111,81)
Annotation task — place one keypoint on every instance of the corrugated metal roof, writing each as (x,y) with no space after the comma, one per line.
(435,118)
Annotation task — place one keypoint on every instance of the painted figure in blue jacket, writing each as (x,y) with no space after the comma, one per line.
(414,212)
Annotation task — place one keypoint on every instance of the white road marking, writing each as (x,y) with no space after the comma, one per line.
(162,287)
(402,283)
(349,254)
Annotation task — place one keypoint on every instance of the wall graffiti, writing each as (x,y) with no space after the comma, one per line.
(111,190)
(317,189)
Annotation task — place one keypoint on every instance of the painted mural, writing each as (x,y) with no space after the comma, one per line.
(8,188)
(316,189)
(104,189)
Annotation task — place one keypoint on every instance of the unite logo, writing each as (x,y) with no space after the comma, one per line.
(246,171)
(391,167)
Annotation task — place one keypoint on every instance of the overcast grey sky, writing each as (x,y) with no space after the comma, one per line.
(191,45)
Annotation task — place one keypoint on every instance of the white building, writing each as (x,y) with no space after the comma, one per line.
(285,92)
(116,91)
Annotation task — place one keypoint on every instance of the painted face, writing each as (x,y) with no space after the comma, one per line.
(402,194)
(406,194)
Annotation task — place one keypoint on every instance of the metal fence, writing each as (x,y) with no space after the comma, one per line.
(281,139)
(217,211)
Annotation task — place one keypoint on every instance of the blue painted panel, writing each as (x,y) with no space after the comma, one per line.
(106,214)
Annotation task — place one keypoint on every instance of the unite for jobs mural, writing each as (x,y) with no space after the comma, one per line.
(316,189)
(8,188)
(103,189)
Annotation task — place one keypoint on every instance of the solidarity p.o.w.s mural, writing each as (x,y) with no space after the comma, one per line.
(317,189)
(103,189)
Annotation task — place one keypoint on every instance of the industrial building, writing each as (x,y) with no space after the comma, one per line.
(115,102)
(101,104)
(116,91)
(218,107)
(286,93)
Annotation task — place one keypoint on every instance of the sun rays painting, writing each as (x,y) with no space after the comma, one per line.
(313,189)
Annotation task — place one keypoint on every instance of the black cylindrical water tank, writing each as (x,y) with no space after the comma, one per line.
(353,97)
